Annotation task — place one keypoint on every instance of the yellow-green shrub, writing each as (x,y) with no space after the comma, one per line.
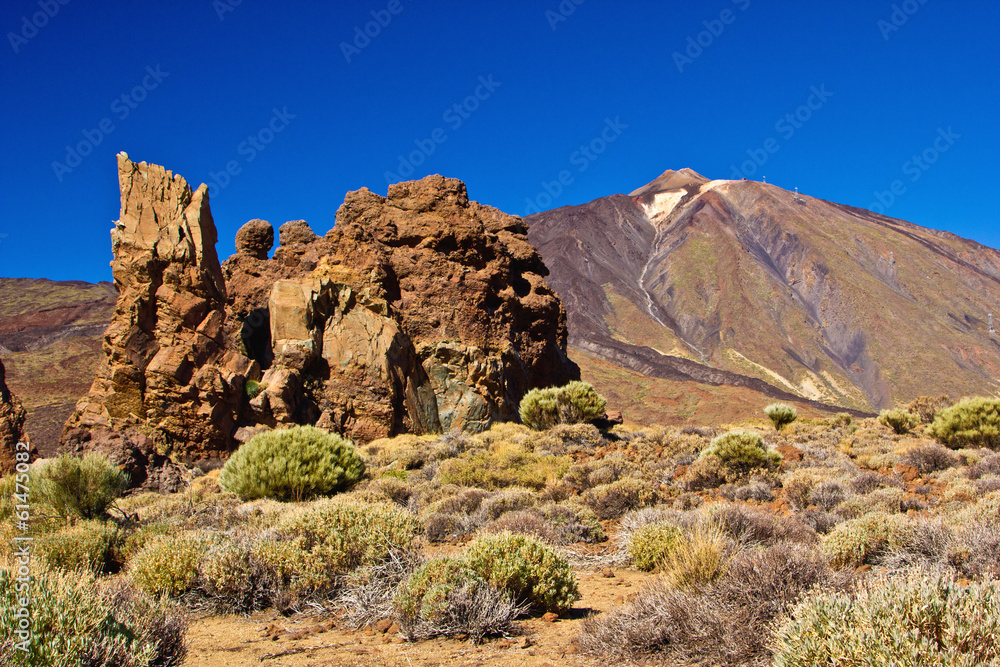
(530,570)
(86,545)
(649,545)
(698,557)
(742,452)
(79,487)
(856,541)
(169,565)
(972,422)
(926,620)
(610,501)
(344,534)
(503,466)
(900,421)
(781,415)
(297,463)
(572,403)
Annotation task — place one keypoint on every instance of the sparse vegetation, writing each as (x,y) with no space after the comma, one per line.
(75,487)
(574,403)
(740,453)
(297,463)
(781,415)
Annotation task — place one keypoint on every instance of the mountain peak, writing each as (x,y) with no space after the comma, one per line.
(671,180)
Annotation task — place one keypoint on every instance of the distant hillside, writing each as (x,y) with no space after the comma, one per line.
(743,283)
(50,342)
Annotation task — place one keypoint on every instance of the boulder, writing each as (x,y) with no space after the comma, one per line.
(296,231)
(255,239)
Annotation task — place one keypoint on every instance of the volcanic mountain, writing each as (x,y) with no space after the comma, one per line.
(741,283)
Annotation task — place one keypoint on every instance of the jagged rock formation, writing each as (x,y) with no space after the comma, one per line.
(743,283)
(11,425)
(419,312)
(169,374)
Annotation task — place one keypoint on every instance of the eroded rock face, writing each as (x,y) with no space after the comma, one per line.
(12,417)
(169,374)
(419,312)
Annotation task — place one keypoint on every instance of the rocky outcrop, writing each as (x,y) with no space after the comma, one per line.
(419,312)
(12,417)
(169,376)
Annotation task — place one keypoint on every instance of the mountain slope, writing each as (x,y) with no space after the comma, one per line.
(817,300)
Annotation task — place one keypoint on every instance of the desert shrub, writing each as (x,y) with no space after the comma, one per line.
(900,421)
(918,619)
(501,467)
(390,488)
(820,520)
(698,558)
(759,491)
(345,534)
(253,388)
(723,623)
(79,487)
(752,526)
(129,543)
(87,545)
(296,572)
(367,595)
(842,420)
(781,415)
(610,501)
(988,465)
(77,621)
(742,452)
(706,472)
(798,486)
(296,463)
(573,403)
(169,565)
(531,571)
(523,522)
(828,495)
(869,481)
(972,422)
(573,523)
(649,545)
(930,458)
(975,551)
(497,504)
(237,579)
(927,407)
(446,597)
(890,539)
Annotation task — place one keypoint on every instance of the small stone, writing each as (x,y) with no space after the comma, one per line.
(550,617)
(619,600)
(397,640)
(505,643)
(393,629)
(525,642)
(608,573)
(384,625)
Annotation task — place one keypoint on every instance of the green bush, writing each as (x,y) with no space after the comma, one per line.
(527,568)
(610,501)
(88,545)
(344,535)
(76,621)
(651,544)
(297,463)
(898,420)
(972,422)
(502,467)
(79,487)
(253,388)
(445,596)
(742,452)
(781,415)
(927,620)
(573,403)
(169,565)
(856,542)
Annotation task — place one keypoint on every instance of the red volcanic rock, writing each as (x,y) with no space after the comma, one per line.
(12,417)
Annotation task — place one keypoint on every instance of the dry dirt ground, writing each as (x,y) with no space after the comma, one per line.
(266,638)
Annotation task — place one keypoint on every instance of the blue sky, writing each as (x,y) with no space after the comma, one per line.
(847,101)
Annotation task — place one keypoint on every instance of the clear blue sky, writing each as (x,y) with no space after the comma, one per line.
(887,93)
